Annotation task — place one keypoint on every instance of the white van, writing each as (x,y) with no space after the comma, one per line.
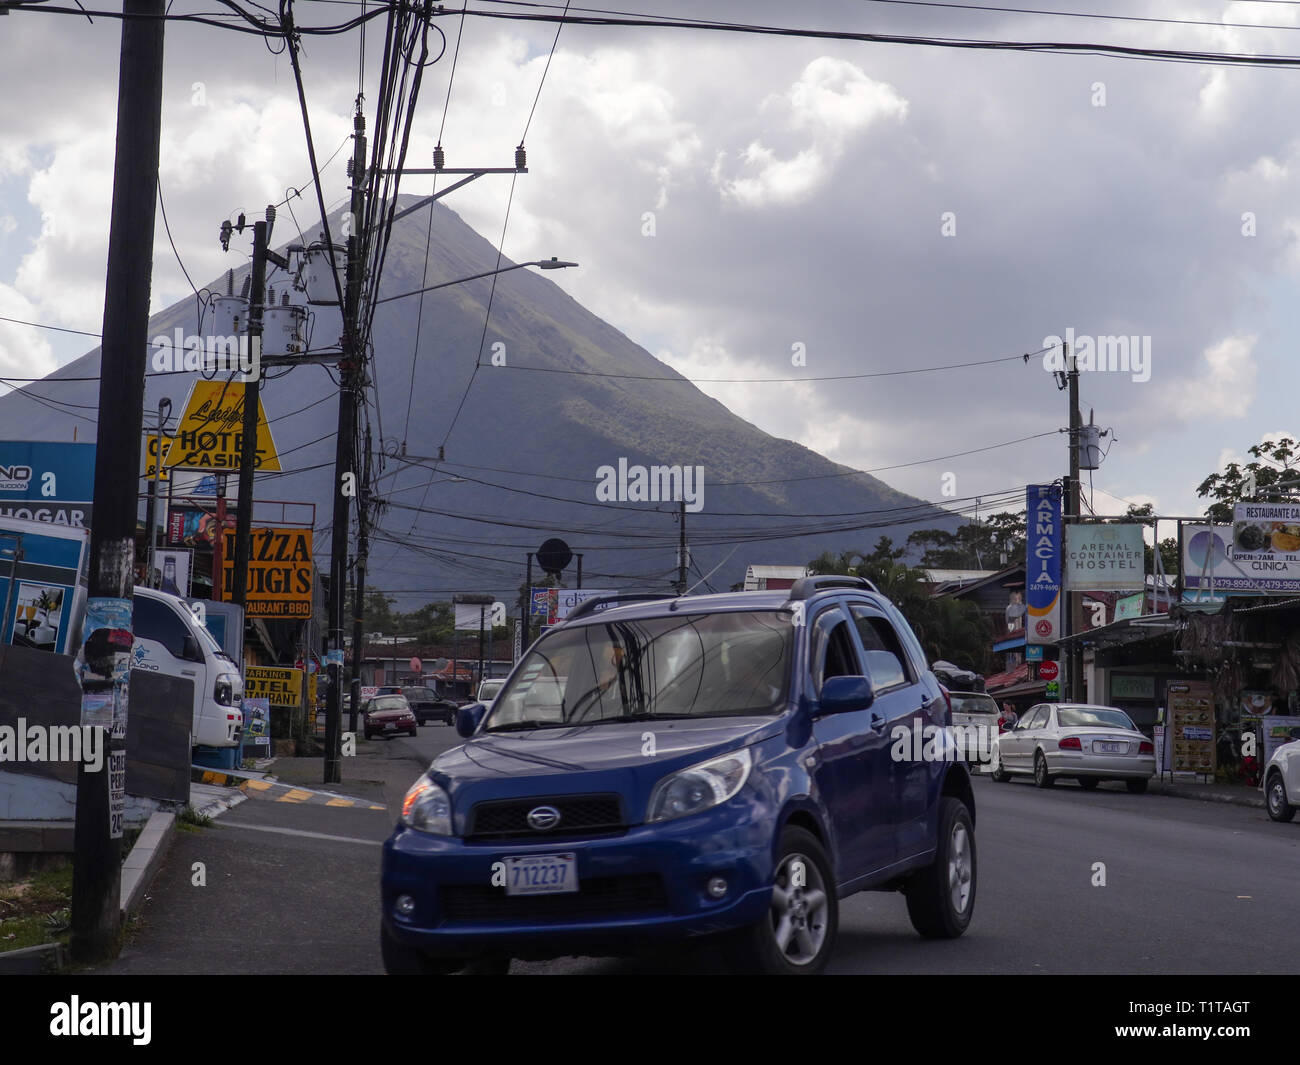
(170,640)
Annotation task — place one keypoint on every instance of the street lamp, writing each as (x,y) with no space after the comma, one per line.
(546,264)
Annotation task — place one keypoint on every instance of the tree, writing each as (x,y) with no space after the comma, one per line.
(994,542)
(379,614)
(948,628)
(1168,546)
(1273,463)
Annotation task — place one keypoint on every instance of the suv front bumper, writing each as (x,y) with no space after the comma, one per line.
(644,883)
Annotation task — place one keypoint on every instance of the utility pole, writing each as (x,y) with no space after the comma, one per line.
(345,477)
(681,547)
(359,589)
(248,439)
(1073,613)
(482,618)
(262,254)
(105,657)
(525,617)
(151,511)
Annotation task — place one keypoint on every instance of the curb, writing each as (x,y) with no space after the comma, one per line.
(144,859)
(220,805)
(1231,800)
(33,961)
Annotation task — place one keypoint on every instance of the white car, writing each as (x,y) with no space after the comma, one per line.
(976,713)
(1088,743)
(1281,780)
(487,691)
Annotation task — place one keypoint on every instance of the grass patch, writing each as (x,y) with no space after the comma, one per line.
(36,910)
(191,820)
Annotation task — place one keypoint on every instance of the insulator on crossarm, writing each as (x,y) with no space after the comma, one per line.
(521,158)
(439,157)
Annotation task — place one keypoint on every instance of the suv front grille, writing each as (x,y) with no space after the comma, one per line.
(598,897)
(585,814)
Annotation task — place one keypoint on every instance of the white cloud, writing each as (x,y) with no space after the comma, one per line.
(24,352)
(1225,386)
(832,100)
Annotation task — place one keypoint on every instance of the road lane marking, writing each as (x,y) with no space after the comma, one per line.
(303,832)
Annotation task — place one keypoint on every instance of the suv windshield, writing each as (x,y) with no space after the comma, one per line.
(1090,716)
(694,665)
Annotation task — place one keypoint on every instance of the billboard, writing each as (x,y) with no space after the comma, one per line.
(172,571)
(567,600)
(1208,563)
(209,434)
(42,585)
(279,573)
(192,527)
(1266,532)
(1043,563)
(1104,558)
(468,617)
(53,483)
(281,687)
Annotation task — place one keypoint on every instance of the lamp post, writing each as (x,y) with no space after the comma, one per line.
(546,264)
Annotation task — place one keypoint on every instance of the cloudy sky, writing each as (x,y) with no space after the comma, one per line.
(753,207)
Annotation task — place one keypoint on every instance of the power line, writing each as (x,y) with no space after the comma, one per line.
(779,380)
(1055,47)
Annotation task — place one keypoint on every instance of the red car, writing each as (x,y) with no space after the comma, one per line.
(388,715)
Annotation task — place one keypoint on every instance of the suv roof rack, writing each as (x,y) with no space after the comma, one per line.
(589,606)
(807,587)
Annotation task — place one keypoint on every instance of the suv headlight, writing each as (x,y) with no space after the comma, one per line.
(700,787)
(427,808)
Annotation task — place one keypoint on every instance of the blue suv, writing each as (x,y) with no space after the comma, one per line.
(719,765)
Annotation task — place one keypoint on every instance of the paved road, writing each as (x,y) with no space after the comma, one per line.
(1190,887)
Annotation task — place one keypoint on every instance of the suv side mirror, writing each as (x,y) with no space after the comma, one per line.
(468,718)
(843,694)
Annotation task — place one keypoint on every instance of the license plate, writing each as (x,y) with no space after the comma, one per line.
(542,874)
(1100,747)
(389,726)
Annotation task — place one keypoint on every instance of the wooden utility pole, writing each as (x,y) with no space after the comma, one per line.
(345,476)
(1073,606)
(106,656)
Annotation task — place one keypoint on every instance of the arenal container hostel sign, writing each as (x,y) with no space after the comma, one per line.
(1043,563)
(49,482)
(1104,558)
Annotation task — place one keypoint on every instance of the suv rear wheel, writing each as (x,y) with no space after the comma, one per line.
(798,932)
(941,897)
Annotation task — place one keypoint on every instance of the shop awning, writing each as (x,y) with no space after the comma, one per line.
(1129,630)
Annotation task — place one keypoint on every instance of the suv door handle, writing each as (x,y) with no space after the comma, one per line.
(877,720)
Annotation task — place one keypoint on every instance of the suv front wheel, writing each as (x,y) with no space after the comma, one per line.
(941,897)
(797,934)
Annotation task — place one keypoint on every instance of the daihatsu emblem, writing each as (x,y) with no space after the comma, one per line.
(543,818)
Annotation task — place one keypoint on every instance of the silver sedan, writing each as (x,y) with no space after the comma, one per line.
(1088,743)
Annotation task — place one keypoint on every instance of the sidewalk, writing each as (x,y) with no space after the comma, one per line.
(285,882)
(1236,794)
